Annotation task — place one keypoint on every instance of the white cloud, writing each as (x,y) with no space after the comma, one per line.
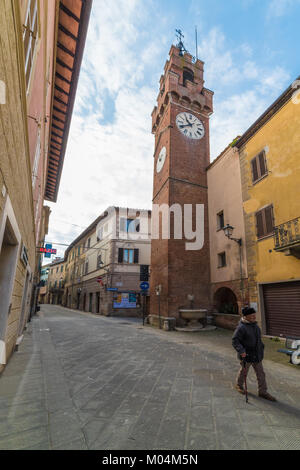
(279,8)
(110,162)
(254,87)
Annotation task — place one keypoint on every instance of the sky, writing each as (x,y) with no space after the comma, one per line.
(251,54)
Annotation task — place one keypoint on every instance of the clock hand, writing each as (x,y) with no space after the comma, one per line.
(186,125)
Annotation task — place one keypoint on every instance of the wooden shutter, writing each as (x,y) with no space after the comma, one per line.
(136,255)
(120,256)
(262,163)
(259,224)
(269,219)
(254,170)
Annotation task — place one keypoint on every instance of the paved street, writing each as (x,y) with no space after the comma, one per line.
(79,381)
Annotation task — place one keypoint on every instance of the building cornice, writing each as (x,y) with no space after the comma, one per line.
(267,115)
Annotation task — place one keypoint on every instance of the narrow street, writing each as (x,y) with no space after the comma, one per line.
(80,381)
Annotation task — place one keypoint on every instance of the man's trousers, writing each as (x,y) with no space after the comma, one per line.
(260,374)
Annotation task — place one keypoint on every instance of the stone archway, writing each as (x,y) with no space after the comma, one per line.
(225,301)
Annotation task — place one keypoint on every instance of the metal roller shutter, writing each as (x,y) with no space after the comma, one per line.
(282,308)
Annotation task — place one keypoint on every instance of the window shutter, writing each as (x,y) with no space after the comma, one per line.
(269,219)
(136,255)
(262,163)
(254,169)
(260,224)
(120,256)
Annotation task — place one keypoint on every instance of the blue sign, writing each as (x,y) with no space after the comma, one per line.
(144,285)
(114,289)
(48,255)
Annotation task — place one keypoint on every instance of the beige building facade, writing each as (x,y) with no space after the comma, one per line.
(41,46)
(228,260)
(103,263)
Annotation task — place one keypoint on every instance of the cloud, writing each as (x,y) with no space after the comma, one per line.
(243,87)
(279,8)
(109,157)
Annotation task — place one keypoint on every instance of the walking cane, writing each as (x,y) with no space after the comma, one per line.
(245,378)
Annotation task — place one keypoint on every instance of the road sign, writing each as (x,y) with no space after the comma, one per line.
(113,289)
(144,285)
(47,250)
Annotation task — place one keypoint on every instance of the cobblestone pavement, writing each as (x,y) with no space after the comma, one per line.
(80,381)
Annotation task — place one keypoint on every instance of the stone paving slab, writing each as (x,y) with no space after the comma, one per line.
(81,381)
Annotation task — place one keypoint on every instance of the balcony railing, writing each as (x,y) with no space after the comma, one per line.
(287,235)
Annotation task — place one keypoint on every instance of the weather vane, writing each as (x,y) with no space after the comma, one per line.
(180,44)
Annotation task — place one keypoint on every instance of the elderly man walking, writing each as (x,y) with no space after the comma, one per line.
(247,342)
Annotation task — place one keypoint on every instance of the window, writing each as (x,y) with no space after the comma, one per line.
(30,36)
(259,167)
(57,269)
(220,220)
(128,255)
(187,75)
(61,269)
(221,259)
(100,234)
(36,158)
(79,251)
(264,222)
(129,225)
(86,267)
(99,261)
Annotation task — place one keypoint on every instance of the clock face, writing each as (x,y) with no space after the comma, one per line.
(161,159)
(190,125)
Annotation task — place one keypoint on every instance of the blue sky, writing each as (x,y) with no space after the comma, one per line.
(251,54)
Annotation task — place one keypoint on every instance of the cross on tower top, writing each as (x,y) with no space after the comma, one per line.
(180,44)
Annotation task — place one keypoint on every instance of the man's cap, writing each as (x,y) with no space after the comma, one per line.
(247,311)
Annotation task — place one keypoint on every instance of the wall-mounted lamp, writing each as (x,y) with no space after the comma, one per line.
(228,229)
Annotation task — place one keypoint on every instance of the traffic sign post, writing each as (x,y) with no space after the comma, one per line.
(144,285)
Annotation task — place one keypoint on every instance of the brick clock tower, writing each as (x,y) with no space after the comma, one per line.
(180,123)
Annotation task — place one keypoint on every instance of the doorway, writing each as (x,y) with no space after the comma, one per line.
(98,302)
(24,307)
(9,249)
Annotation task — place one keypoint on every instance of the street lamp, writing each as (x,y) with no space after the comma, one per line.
(228,230)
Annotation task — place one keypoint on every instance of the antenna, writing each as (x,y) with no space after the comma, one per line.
(196,35)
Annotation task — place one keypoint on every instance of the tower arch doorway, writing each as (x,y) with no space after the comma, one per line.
(225,301)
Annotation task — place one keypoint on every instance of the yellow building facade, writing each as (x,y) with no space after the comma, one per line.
(270,172)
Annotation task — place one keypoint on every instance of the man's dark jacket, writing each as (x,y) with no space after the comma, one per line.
(247,338)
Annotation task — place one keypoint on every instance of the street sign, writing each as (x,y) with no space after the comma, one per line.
(113,289)
(48,250)
(144,285)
